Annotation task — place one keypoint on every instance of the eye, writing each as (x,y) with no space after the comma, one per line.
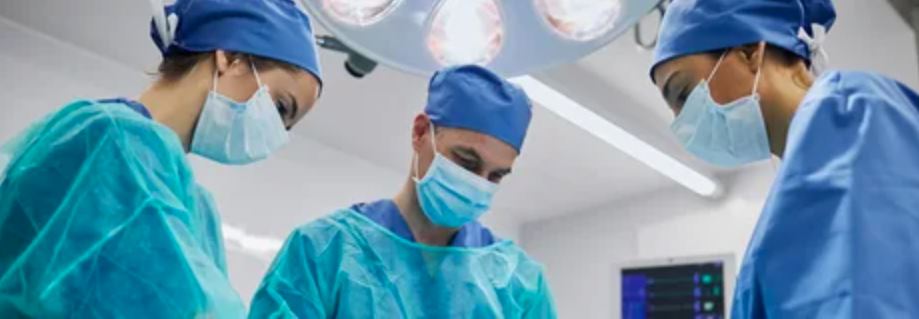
(283,110)
(681,98)
(469,165)
(495,178)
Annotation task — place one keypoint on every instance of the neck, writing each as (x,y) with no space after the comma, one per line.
(177,104)
(421,227)
(781,111)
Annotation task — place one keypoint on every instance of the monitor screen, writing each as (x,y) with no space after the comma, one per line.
(694,291)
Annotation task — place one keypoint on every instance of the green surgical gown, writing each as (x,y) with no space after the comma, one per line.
(100,217)
(347,266)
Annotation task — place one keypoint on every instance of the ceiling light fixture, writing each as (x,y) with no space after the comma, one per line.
(581,20)
(466,32)
(359,12)
(511,37)
(577,114)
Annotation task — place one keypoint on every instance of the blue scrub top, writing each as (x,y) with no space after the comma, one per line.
(838,235)
(386,213)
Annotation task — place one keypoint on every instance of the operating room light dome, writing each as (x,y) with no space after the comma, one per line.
(359,12)
(466,32)
(581,20)
(510,37)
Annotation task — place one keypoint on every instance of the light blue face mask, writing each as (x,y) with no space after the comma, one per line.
(725,135)
(449,195)
(236,133)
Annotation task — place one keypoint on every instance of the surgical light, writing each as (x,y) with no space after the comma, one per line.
(512,37)
(581,20)
(466,32)
(359,12)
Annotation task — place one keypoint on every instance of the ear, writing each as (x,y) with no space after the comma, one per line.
(421,127)
(232,64)
(752,55)
(222,62)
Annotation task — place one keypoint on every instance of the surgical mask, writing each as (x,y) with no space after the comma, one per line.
(236,133)
(725,135)
(449,195)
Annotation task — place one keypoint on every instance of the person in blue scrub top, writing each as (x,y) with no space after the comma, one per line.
(100,213)
(423,254)
(836,237)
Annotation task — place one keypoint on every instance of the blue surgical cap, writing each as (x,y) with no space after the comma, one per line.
(274,29)
(473,98)
(697,26)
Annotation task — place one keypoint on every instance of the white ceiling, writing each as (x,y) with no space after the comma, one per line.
(562,169)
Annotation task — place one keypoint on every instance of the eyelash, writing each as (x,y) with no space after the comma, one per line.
(681,98)
(282,110)
(469,165)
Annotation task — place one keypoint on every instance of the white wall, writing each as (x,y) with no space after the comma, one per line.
(581,250)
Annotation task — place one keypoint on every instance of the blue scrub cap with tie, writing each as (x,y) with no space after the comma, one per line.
(697,26)
(473,98)
(275,29)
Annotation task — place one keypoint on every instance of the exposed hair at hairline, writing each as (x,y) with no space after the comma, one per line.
(177,65)
(786,57)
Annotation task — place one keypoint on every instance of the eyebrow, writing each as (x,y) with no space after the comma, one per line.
(467,153)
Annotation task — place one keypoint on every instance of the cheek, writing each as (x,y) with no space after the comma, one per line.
(725,92)
(237,88)
(728,87)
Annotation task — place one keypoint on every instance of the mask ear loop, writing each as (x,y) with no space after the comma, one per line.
(214,87)
(258,80)
(415,171)
(717,65)
(759,71)
(433,140)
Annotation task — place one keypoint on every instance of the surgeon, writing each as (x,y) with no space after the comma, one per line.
(423,254)
(837,235)
(100,213)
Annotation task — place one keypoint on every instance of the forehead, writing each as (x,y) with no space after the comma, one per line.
(492,150)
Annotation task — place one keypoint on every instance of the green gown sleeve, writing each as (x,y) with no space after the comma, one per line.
(291,288)
(544,304)
(100,218)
